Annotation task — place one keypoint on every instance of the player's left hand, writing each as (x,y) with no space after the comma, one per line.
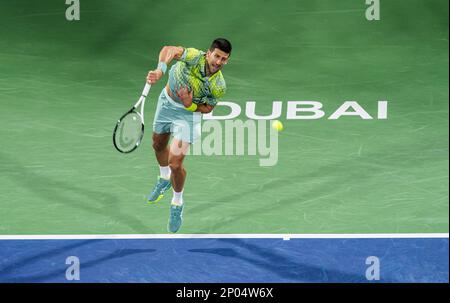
(185,96)
(208,108)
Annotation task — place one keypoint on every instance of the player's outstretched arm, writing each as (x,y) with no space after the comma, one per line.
(166,55)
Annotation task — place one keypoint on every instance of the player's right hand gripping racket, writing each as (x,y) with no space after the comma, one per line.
(129,129)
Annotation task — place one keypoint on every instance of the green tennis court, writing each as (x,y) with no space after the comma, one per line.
(64,84)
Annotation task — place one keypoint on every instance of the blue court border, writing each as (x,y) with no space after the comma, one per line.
(227,260)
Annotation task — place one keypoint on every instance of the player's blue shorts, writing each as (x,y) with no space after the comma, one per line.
(172,117)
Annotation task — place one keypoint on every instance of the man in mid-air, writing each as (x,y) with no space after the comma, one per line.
(195,83)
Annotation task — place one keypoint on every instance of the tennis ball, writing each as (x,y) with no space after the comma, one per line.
(277,125)
(134,118)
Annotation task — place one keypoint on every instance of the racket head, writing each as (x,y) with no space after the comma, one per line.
(128,132)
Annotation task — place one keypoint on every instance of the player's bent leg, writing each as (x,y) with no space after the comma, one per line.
(162,124)
(177,153)
(160,146)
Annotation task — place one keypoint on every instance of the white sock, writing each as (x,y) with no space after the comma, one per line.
(177,198)
(164,172)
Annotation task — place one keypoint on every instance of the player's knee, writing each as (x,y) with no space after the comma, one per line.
(159,146)
(175,166)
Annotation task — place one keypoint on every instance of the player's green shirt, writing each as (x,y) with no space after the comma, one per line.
(190,72)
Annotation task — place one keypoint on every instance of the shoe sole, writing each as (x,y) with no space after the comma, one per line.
(159,197)
(174,232)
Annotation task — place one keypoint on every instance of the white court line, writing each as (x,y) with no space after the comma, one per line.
(225,236)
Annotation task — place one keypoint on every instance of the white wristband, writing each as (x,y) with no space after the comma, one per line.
(162,66)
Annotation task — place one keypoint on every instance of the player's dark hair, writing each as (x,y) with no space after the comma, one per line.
(222,44)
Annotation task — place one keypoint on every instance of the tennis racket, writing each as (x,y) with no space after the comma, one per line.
(129,129)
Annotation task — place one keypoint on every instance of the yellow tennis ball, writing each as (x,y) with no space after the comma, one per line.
(277,125)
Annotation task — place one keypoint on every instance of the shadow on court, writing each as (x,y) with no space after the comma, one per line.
(30,259)
(329,177)
(281,265)
(59,274)
(61,192)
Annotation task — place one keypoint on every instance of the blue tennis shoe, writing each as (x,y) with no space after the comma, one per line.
(161,186)
(176,218)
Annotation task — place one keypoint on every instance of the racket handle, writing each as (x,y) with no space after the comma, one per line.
(146,90)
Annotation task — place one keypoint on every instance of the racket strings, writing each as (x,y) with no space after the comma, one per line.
(128,132)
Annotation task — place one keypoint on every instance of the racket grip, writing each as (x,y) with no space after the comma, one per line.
(146,90)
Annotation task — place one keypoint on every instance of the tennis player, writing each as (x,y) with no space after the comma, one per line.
(195,84)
